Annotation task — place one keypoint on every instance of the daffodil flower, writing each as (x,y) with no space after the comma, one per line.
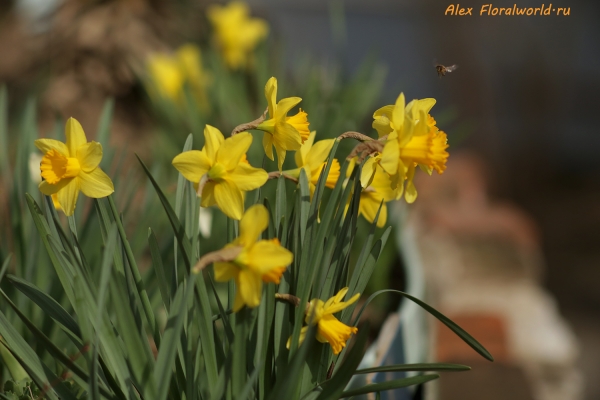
(69,168)
(412,139)
(236,33)
(169,73)
(379,189)
(283,132)
(259,260)
(224,170)
(312,158)
(329,328)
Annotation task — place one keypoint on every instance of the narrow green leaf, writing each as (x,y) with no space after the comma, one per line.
(163,370)
(159,268)
(415,367)
(46,303)
(460,332)
(389,385)
(335,386)
(50,346)
(176,225)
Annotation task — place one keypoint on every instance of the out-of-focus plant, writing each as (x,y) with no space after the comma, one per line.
(236,33)
(86,317)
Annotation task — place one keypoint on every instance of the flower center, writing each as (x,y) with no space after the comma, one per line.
(428,150)
(217,172)
(56,166)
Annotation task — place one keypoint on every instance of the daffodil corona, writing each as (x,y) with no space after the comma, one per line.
(222,167)
(69,168)
(329,328)
(283,132)
(258,261)
(412,139)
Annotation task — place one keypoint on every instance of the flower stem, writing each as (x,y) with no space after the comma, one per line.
(250,125)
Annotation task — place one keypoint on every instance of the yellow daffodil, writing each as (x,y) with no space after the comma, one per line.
(224,170)
(259,260)
(329,329)
(235,32)
(170,73)
(378,190)
(281,131)
(412,139)
(312,158)
(72,167)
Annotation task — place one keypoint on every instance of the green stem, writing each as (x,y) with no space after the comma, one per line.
(139,283)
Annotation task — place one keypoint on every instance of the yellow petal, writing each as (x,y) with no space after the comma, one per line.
(411,190)
(340,305)
(75,136)
(390,155)
(45,145)
(266,255)
(225,271)
(95,184)
(398,113)
(369,204)
(271,95)
(233,148)
(89,155)
(253,223)
(268,144)
(319,152)
(229,198)
(301,154)
(286,137)
(238,302)
(192,164)
(67,196)
(286,105)
(246,177)
(300,339)
(49,189)
(280,157)
(249,287)
(208,194)
(334,332)
(213,139)
(368,172)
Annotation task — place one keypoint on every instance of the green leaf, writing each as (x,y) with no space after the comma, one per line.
(163,370)
(335,386)
(179,230)
(50,346)
(159,268)
(460,332)
(46,303)
(415,367)
(389,385)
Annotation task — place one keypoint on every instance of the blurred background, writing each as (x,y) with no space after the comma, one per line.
(522,101)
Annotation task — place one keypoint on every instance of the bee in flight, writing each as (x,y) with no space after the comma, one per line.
(442,70)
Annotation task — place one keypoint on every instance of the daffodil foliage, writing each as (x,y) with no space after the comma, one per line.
(268,314)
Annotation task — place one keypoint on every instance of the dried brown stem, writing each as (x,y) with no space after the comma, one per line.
(250,125)
(293,300)
(223,255)
(277,174)
(201,184)
(356,135)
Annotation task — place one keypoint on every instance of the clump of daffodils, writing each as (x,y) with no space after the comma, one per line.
(222,176)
